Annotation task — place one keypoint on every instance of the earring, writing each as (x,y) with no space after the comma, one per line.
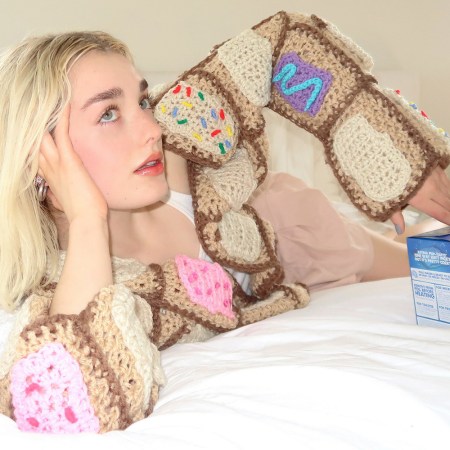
(41,187)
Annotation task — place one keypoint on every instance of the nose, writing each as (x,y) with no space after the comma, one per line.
(149,129)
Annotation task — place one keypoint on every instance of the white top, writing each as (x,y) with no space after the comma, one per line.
(183,203)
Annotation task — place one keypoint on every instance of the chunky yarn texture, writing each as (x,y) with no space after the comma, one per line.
(381,150)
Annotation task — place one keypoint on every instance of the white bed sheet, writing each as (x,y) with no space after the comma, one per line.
(350,371)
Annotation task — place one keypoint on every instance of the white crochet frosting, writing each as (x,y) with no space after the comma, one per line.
(240,236)
(135,338)
(234,181)
(368,155)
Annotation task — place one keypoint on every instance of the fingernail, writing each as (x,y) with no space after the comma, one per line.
(398,229)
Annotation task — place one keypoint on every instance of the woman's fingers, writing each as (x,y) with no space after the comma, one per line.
(443,181)
(433,198)
(48,156)
(56,150)
(48,147)
(72,188)
(442,199)
(399,222)
(61,133)
(432,208)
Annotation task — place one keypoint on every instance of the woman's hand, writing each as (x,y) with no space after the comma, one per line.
(433,198)
(72,190)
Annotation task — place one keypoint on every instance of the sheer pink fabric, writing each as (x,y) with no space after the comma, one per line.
(316,245)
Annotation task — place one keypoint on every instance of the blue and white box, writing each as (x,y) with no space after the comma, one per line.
(429,261)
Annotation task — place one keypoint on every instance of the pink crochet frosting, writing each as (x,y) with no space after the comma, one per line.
(207,284)
(49,394)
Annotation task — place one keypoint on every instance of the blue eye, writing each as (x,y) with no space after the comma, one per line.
(110,115)
(145,103)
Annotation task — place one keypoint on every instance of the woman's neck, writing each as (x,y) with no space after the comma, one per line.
(128,230)
(140,233)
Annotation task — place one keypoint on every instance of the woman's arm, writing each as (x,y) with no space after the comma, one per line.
(87,267)
(79,358)
(381,150)
(96,371)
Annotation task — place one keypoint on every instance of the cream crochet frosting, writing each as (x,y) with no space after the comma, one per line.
(380,149)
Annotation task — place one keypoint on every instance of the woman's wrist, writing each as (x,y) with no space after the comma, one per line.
(87,266)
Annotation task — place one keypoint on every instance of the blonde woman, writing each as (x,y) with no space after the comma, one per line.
(94,216)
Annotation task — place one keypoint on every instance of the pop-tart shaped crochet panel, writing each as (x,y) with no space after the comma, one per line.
(304,69)
(380,149)
(96,371)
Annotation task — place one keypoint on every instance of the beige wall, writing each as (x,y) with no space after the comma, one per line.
(410,35)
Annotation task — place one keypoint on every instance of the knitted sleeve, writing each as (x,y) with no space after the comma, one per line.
(96,371)
(380,148)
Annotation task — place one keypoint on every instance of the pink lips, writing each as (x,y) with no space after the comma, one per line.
(153,165)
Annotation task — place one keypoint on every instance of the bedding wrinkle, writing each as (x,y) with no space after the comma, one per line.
(351,364)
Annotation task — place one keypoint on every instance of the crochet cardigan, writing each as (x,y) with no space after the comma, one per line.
(100,370)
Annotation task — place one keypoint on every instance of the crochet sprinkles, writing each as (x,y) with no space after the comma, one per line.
(192,113)
(424,115)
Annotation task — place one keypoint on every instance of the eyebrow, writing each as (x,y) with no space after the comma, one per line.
(111,94)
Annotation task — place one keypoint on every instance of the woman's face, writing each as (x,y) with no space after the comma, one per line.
(113,131)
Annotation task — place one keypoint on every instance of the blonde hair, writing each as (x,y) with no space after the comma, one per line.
(34,89)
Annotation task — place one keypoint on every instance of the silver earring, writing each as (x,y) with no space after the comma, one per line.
(41,187)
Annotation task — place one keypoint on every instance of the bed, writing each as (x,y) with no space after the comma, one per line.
(350,371)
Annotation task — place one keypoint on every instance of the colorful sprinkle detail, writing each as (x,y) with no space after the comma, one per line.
(207,121)
(424,115)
